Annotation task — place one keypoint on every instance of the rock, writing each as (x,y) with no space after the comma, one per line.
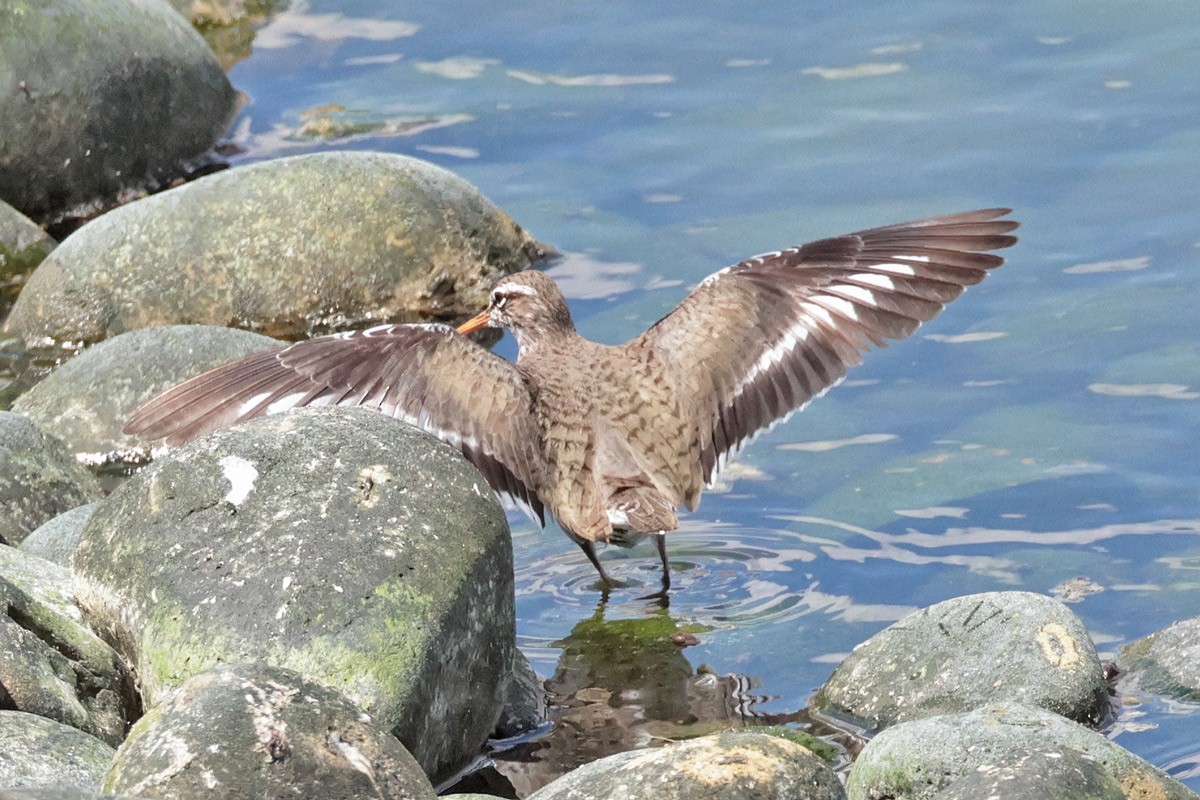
(85,401)
(250,730)
(524,700)
(106,95)
(38,479)
(1061,774)
(229,26)
(1166,663)
(915,760)
(733,765)
(52,666)
(963,653)
(58,792)
(42,752)
(337,542)
(23,245)
(55,539)
(321,241)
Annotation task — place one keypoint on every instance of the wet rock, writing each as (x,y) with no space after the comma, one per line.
(229,26)
(84,402)
(340,543)
(263,732)
(55,539)
(23,245)
(42,752)
(1061,774)
(286,247)
(1166,663)
(916,760)
(524,700)
(58,792)
(736,764)
(38,479)
(105,95)
(52,665)
(962,653)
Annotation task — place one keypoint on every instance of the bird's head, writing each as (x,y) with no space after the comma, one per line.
(527,304)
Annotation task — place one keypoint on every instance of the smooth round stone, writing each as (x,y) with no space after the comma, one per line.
(39,479)
(915,760)
(55,539)
(85,401)
(323,241)
(736,764)
(40,752)
(963,653)
(112,95)
(1166,663)
(250,730)
(1060,774)
(336,542)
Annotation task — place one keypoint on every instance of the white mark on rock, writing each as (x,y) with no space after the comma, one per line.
(241,475)
(287,581)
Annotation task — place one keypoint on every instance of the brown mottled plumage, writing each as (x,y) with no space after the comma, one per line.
(612,439)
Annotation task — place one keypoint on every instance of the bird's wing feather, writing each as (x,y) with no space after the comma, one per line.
(758,340)
(427,375)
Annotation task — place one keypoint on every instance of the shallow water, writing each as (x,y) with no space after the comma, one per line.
(1039,435)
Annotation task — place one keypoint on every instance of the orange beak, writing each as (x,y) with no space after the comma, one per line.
(476,322)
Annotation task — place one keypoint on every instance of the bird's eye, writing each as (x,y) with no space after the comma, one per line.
(499,300)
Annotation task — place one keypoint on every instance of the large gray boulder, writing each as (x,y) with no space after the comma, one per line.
(916,760)
(354,549)
(84,402)
(968,651)
(55,539)
(724,766)
(39,479)
(321,241)
(250,730)
(50,664)
(39,752)
(1166,662)
(101,96)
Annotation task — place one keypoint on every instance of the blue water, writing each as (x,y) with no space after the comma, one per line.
(1044,428)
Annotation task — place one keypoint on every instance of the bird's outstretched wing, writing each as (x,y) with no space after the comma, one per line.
(758,340)
(427,375)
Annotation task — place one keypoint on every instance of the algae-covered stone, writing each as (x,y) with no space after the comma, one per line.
(1166,662)
(915,760)
(100,96)
(328,240)
(23,245)
(38,479)
(250,730)
(55,539)
(84,402)
(737,764)
(962,653)
(1058,774)
(337,542)
(50,664)
(41,752)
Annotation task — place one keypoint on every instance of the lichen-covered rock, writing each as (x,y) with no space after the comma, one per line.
(337,542)
(84,402)
(50,664)
(250,730)
(38,479)
(915,760)
(59,792)
(41,752)
(737,764)
(328,240)
(963,653)
(1166,662)
(101,95)
(23,245)
(1058,774)
(55,539)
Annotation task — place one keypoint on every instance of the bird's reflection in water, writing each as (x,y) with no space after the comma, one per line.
(622,684)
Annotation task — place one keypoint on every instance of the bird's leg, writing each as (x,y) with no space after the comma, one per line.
(660,541)
(589,550)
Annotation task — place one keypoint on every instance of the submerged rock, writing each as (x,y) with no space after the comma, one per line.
(286,247)
(962,653)
(737,764)
(340,543)
(40,752)
(85,401)
(916,760)
(38,479)
(250,730)
(105,95)
(51,664)
(1166,663)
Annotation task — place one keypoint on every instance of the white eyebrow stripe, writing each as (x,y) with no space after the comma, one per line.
(515,288)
